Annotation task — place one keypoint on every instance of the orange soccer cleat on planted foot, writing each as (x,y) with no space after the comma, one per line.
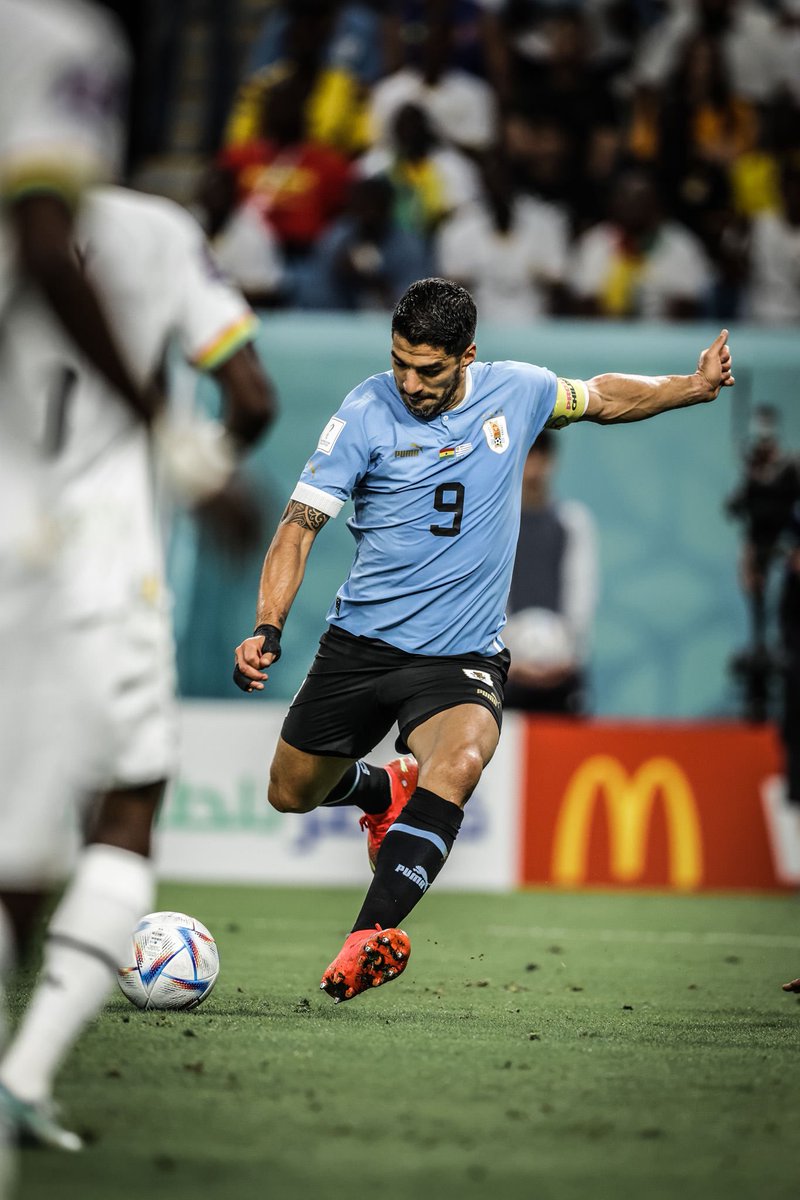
(403,774)
(367,959)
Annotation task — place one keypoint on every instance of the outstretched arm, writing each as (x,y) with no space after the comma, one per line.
(281,576)
(614,398)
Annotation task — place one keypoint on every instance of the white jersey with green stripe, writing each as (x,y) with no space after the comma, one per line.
(62,75)
(150,264)
(437,504)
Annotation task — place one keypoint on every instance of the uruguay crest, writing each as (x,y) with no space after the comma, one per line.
(495,431)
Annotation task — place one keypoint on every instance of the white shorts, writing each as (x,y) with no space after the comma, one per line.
(98,714)
(40,744)
(128,668)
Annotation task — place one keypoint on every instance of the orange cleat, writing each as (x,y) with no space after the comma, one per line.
(403,774)
(367,959)
(794,986)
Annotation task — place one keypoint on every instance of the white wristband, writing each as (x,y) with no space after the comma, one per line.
(195,455)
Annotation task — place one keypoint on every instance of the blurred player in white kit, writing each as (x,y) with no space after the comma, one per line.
(150,264)
(62,79)
(98,711)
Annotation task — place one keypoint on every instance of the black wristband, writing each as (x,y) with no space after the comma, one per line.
(270,645)
(272,639)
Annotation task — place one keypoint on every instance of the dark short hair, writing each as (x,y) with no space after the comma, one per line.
(436,312)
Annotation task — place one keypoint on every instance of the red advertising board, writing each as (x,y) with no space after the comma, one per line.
(649,805)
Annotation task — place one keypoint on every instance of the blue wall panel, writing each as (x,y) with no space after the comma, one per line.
(670,613)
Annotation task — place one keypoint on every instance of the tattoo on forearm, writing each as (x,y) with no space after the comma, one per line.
(303,515)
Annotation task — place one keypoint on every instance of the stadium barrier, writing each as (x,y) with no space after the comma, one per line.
(592,804)
(216,823)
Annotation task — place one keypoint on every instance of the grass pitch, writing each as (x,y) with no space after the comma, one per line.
(539,1046)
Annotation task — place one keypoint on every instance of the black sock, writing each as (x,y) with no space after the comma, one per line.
(412,855)
(364,785)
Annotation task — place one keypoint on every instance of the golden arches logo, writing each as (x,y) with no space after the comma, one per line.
(629,800)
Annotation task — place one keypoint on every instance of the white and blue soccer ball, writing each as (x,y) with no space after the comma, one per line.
(173,962)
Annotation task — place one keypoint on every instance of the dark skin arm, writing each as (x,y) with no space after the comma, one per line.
(44,231)
(249,396)
(232,514)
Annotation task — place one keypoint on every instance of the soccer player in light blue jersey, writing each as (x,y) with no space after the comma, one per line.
(431,454)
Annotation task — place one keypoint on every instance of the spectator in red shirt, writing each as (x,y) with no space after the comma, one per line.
(297,186)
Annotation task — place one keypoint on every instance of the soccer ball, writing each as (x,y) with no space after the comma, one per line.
(173,962)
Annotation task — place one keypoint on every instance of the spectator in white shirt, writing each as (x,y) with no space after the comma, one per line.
(462,107)
(636,263)
(775,255)
(789,51)
(508,249)
(431,180)
(749,36)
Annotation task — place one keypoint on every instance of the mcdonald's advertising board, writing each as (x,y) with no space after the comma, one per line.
(682,806)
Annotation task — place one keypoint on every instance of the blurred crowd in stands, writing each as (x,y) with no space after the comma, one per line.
(615,158)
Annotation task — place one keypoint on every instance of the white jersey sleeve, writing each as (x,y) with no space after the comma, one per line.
(63,73)
(212,318)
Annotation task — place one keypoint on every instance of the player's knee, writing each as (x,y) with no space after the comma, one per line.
(465,769)
(286,798)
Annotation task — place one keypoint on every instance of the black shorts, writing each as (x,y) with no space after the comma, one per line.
(358,687)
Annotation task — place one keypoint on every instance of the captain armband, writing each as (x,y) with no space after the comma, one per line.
(572,400)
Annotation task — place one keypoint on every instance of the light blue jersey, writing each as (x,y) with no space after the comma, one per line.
(437,506)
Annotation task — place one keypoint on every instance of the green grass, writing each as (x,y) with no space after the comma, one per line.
(538,1047)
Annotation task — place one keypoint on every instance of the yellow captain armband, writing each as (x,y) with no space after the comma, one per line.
(572,400)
